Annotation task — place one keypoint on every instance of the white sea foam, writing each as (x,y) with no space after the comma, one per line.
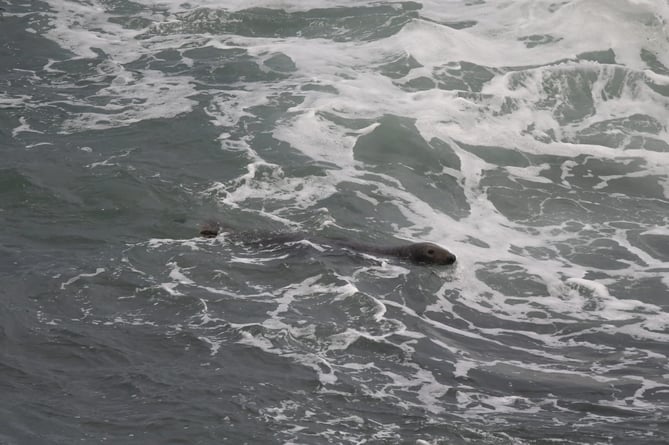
(132,96)
(76,278)
(155,96)
(24,128)
(516,109)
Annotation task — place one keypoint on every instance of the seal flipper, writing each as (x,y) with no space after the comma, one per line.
(211,228)
(209,232)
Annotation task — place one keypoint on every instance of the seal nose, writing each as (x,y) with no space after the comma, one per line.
(450,259)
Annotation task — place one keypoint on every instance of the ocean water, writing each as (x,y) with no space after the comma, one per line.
(528,137)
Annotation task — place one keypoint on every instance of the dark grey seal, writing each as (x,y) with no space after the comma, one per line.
(419,253)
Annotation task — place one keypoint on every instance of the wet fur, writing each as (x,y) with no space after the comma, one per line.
(420,253)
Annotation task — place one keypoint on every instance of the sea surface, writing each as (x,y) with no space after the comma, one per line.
(528,137)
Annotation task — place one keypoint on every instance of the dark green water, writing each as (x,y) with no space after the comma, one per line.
(538,158)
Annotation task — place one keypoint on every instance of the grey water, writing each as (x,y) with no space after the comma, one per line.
(540,159)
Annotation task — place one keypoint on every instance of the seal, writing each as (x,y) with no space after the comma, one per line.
(419,253)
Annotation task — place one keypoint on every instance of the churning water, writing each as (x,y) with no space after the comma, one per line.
(529,137)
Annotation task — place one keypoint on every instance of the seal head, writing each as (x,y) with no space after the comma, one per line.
(429,253)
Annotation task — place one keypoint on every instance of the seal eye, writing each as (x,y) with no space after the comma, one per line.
(430,252)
